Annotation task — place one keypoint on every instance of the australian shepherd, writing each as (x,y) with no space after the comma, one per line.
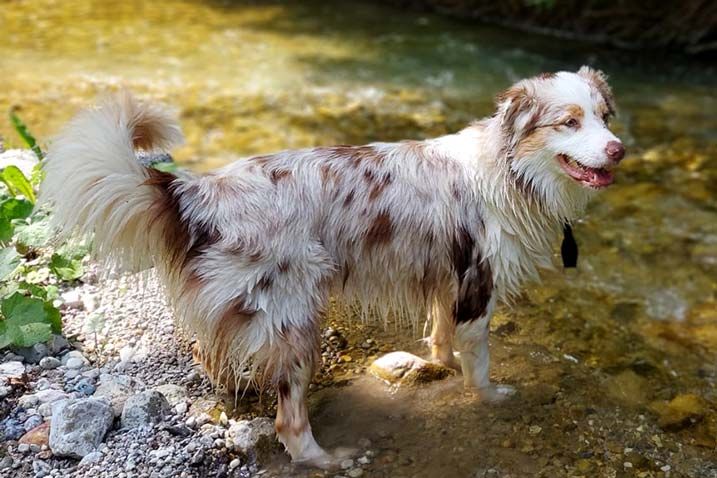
(441,229)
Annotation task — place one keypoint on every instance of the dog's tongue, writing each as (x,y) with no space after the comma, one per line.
(598,177)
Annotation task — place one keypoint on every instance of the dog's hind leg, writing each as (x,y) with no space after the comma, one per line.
(443,329)
(471,340)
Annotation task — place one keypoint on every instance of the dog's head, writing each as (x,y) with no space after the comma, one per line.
(556,133)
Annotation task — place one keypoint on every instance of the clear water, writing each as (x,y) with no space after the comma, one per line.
(257,77)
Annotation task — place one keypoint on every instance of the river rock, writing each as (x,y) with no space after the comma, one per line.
(117,388)
(144,408)
(79,426)
(74,356)
(628,388)
(681,412)
(33,354)
(57,344)
(256,439)
(175,394)
(49,363)
(40,435)
(406,369)
(11,371)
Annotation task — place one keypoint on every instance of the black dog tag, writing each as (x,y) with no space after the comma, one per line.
(569,248)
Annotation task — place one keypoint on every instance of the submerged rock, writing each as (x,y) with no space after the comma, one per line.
(79,426)
(407,369)
(681,412)
(628,388)
(256,439)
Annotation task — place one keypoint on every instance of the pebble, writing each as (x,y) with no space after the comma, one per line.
(91,458)
(346,464)
(23,448)
(355,472)
(49,363)
(74,363)
(234,463)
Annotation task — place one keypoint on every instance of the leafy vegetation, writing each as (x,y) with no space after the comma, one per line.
(31,271)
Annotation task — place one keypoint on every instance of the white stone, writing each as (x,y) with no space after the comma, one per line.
(12,370)
(175,394)
(74,363)
(117,388)
(91,458)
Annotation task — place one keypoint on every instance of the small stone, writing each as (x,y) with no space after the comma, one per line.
(13,370)
(74,363)
(143,409)
(73,354)
(346,464)
(534,430)
(363,460)
(117,388)
(23,447)
(126,353)
(49,363)
(355,472)
(174,394)
(234,463)
(407,369)
(181,408)
(50,395)
(33,354)
(85,387)
(71,299)
(32,421)
(91,458)
(78,426)
(40,435)
(28,400)
(57,344)
(41,468)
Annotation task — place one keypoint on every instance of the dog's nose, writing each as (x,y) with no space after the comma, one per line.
(615,151)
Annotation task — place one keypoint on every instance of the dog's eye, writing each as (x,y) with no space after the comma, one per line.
(571,123)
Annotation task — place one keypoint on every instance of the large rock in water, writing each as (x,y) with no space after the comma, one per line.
(407,369)
(144,409)
(79,426)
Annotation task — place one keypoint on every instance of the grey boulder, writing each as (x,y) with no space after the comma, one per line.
(78,426)
(144,409)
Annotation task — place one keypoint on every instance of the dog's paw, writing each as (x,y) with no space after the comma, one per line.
(449,362)
(495,393)
(327,460)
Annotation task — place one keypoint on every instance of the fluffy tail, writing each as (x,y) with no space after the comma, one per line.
(97,186)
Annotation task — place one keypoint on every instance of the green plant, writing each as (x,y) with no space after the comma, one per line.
(31,271)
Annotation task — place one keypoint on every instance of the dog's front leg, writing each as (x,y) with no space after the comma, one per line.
(471,340)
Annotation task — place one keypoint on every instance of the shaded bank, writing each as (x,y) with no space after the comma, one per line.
(684,26)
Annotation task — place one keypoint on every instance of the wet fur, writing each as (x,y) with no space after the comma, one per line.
(251,253)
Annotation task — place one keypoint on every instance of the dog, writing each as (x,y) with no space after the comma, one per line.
(250,253)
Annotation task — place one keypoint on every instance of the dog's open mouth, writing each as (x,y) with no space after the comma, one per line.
(592,177)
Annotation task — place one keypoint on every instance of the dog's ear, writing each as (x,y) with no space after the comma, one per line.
(598,80)
(518,111)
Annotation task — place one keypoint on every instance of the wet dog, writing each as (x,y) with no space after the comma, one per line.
(251,253)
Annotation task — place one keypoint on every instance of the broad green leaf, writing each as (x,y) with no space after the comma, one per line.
(6,230)
(53,317)
(17,183)
(15,208)
(9,261)
(4,337)
(30,334)
(66,268)
(21,310)
(37,234)
(25,134)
